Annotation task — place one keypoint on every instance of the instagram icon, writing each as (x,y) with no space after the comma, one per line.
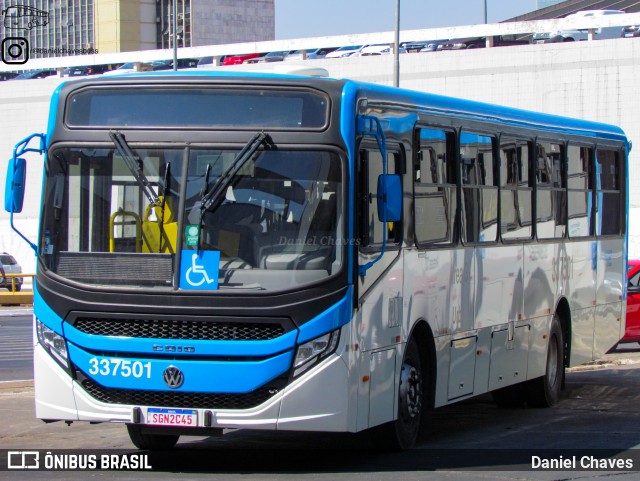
(15,50)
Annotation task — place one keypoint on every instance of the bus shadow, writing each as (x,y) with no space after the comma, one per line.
(471,435)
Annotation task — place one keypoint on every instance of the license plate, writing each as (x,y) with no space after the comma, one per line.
(628,35)
(172,417)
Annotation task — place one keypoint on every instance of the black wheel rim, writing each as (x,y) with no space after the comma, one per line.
(410,393)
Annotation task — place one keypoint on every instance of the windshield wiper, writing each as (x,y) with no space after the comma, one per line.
(213,196)
(221,184)
(133,163)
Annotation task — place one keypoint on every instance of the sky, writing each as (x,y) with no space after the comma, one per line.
(316,18)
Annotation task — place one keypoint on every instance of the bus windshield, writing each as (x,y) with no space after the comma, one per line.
(111,219)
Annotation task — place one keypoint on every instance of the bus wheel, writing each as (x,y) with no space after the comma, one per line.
(402,433)
(152,442)
(545,391)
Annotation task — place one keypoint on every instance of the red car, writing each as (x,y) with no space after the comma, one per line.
(632,331)
(238,59)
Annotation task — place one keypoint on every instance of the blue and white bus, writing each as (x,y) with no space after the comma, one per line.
(255,251)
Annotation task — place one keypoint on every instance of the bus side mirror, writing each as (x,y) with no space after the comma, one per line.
(389,198)
(15,185)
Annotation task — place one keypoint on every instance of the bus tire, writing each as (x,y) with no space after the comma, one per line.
(402,433)
(151,442)
(544,391)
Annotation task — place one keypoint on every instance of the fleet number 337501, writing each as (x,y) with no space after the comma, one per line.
(120,367)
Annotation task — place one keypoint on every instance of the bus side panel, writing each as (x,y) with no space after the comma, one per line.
(380,326)
(440,285)
(542,270)
(499,301)
(609,325)
(499,295)
(580,290)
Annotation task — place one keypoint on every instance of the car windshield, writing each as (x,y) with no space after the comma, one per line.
(118,218)
(7,260)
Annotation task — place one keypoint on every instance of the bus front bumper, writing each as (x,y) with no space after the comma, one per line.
(319,400)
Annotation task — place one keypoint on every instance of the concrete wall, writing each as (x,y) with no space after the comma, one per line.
(591,80)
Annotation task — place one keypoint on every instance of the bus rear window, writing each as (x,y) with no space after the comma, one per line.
(197,107)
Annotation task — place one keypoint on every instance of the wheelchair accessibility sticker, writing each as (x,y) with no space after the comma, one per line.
(199,270)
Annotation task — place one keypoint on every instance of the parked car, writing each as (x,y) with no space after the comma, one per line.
(347,51)
(295,55)
(168,64)
(378,49)
(601,33)
(631,31)
(416,46)
(130,67)
(205,62)
(87,70)
(258,59)
(433,45)
(8,75)
(277,56)
(8,265)
(320,52)
(75,71)
(238,59)
(35,74)
(479,42)
(632,330)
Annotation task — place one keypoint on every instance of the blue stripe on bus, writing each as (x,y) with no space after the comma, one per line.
(200,347)
(199,376)
(336,316)
(348,131)
(53,111)
(45,314)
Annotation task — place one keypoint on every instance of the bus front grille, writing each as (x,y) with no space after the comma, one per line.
(179,399)
(180,329)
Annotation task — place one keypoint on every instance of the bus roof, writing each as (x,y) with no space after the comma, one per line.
(440,105)
(410,100)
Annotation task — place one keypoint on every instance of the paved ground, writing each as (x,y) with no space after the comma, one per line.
(597,415)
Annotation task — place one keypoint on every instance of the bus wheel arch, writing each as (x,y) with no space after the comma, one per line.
(544,391)
(564,315)
(415,393)
(426,344)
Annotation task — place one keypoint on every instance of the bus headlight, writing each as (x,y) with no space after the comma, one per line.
(312,352)
(54,343)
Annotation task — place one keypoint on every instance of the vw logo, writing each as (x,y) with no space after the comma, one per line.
(173,377)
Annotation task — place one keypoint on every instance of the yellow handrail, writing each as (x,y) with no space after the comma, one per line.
(113,223)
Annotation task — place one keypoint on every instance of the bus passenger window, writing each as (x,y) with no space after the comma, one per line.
(435,188)
(609,206)
(479,189)
(550,195)
(515,192)
(580,190)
